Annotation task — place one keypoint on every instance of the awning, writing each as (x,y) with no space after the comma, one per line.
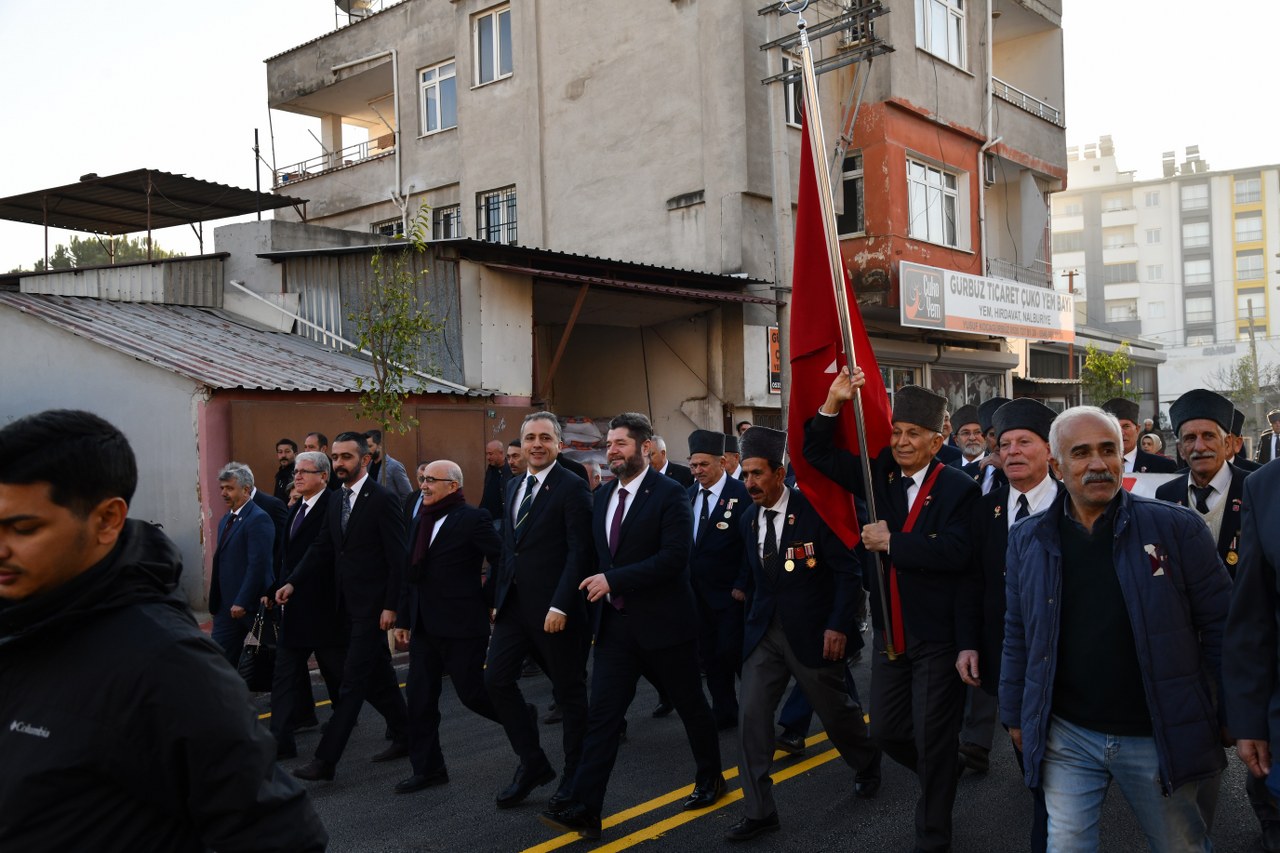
(622,284)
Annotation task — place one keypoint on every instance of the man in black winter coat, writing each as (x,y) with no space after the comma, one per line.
(129,731)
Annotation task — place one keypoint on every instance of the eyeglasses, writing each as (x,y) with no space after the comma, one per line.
(297,471)
(434,480)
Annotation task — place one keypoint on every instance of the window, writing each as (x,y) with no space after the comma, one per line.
(1069,241)
(931,196)
(792,92)
(1195,197)
(1242,305)
(1197,272)
(1195,235)
(1249,266)
(1248,227)
(966,386)
(1248,190)
(1155,310)
(1117,238)
(446,222)
(387,227)
(438,101)
(1153,236)
(895,377)
(1115,201)
(1155,272)
(1151,198)
(1119,273)
(851,221)
(492,47)
(940,29)
(496,216)
(1120,310)
(1199,340)
(1199,309)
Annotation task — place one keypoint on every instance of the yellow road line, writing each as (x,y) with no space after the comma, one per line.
(319,704)
(683,817)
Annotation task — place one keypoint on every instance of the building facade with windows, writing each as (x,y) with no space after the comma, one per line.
(1180,260)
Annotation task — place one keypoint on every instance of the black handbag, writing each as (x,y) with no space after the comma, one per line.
(258,657)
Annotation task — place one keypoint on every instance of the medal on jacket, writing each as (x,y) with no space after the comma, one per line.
(1232,556)
(790,564)
(808,550)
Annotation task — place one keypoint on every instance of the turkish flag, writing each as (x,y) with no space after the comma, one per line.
(817,353)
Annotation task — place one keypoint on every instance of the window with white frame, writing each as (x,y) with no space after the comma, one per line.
(1198,309)
(491,48)
(940,29)
(932,196)
(446,222)
(1249,266)
(1155,310)
(1151,198)
(852,220)
(1120,310)
(1195,235)
(1153,236)
(1116,201)
(1155,272)
(1197,272)
(1117,238)
(1068,241)
(1195,196)
(792,92)
(1257,299)
(1248,190)
(1248,227)
(496,215)
(1119,273)
(438,97)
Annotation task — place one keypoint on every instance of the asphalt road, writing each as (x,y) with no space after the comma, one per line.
(816,803)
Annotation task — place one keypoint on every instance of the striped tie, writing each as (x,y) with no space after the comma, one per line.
(523,512)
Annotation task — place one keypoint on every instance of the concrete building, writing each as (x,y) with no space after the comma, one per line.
(644,134)
(1176,260)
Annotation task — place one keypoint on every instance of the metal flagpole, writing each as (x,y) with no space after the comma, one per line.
(817,145)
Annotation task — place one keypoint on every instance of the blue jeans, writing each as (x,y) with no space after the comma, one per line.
(1079,765)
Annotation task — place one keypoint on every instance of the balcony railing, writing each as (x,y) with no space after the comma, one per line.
(1040,275)
(1023,101)
(349,156)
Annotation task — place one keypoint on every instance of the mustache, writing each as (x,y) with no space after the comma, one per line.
(1098,477)
(1202,454)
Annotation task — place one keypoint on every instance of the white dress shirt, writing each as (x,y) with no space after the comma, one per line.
(1039,497)
(715,489)
(539,478)
(778,520)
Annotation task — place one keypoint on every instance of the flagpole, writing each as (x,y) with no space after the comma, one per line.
(817,145)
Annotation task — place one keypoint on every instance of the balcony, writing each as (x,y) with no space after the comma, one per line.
(352,155)
(1028,103)
(1118,216)
(1040,275)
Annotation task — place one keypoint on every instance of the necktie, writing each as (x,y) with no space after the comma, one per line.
(615,526)
(703,514)
(523,511)
(346,507)
(1024,508)
(906,482)
(1202,498)
(226,531)
(297,520)
(769,556)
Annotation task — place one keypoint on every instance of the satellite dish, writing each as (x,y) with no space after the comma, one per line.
(355,8)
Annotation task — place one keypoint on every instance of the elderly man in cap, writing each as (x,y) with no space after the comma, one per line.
(804,587)
(1115,607)
(1236,437)
(1022,430)
(1269,441)
(1136,460)
(925,539)
(732,460)
(986,469)
(716,570)
(969,439)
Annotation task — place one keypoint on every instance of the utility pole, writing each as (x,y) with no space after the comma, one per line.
(1071,345)
(1253,354)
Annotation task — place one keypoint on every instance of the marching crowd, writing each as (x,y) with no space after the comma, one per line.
(1010,577)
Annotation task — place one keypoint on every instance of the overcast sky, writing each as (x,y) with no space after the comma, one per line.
(180,86)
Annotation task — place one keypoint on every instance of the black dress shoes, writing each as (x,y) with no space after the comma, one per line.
(523,783)
(391,753)
(574,818)
(975,758)
(315,771)
(561,798)
(418,781)
(662,709)
(705,794)
(749,827)
(792,743)
(554,715)
(866,784)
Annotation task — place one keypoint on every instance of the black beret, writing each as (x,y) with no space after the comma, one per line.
(1024,413)
(1125,410)
(987,410)
(1237,422)
(730,443)
(763,443)
(706,441)
(966,414)
(920,406)
(1201,404)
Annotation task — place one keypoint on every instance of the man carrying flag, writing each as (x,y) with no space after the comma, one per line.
(923,538)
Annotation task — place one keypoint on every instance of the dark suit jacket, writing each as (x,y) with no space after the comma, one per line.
(311,619)
(1245,464)
(932,559)
(1152,463)
(808,600)
(651,568)
(980,605)
(242,563)
(553,552)
(1175,491)
(368,559)
(278,510)
(495,487)
(715,563)
(451,599)
(974,471)
(680,473)
(569,464)
(949,454)
(1264,447)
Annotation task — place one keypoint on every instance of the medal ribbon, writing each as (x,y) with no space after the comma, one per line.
(895,598)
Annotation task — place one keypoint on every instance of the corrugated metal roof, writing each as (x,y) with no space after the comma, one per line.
(653,289)
(209,347)
(340,29)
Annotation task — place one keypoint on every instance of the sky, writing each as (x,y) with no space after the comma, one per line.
(180,86)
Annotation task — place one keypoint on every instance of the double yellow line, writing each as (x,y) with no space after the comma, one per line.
(661,827)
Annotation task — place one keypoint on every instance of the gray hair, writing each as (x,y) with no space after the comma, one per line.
(237,471)
(316,458)
(543,416)
(659,443)
(591,465)
(1064,421)
(455,473)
